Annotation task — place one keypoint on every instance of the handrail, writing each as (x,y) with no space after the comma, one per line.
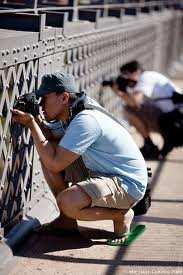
(35,9)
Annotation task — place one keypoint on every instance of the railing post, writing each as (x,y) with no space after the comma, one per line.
(75,10)
(105,8)
(35,6)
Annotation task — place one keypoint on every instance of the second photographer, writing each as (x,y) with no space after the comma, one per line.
(150,98)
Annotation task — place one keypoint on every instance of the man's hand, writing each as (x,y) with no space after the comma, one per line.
(22,118)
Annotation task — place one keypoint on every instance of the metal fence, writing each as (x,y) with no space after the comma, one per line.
(92,48)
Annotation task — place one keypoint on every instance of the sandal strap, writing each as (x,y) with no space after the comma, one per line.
(125,234)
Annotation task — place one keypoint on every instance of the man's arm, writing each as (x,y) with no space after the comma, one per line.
(53,157)
(46,131)
(138,98)
(132,100)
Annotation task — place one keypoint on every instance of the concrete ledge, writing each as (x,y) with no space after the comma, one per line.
(6,257)
(20,231)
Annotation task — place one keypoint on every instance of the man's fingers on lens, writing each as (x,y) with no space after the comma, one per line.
(17,112)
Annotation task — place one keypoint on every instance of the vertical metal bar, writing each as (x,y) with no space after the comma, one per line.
(105,8)
(122,13)
(35,6)
(42,26)
(75,10)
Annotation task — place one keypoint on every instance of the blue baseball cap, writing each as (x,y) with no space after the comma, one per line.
(56,82)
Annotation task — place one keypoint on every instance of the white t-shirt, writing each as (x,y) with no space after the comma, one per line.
(155,85)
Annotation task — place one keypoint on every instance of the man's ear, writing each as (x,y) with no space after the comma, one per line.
(65,97)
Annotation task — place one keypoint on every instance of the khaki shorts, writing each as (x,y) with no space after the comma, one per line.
(104,191)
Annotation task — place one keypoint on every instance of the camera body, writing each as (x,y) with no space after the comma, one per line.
(109,82)
(27,103)
(121,82)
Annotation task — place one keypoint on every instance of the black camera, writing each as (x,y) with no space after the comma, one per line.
(121,82)
(27,103)
(108,83)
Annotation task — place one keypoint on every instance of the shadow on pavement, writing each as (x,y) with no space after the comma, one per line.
(38,244)
(160,220)
(167,201)
(174,161)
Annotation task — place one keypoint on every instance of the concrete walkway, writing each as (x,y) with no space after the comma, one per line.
(158,251)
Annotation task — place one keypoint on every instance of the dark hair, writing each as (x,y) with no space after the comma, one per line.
(130,67)
(72,96)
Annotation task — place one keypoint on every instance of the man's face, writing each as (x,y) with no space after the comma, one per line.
(53,105)
(132,78)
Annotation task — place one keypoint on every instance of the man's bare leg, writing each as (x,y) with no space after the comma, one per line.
(57,185)
(75,203)
(138,124)
(149,149)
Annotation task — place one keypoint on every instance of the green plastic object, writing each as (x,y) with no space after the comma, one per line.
(135,232)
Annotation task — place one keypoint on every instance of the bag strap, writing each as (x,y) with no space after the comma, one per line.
(89,106)
(176,98)
(85,103)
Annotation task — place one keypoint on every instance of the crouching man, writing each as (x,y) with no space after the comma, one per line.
(113,177)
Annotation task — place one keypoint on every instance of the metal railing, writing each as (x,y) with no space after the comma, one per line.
(92,48)
(13,7)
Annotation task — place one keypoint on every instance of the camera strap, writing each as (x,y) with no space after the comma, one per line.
(89,106)
(86,103)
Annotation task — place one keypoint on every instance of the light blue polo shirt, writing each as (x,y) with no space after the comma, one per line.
(107,148)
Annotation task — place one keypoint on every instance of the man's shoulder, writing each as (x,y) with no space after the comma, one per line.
(85,123)
(152,75)
(149,74)
(86,116)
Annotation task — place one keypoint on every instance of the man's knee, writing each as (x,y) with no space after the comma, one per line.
(72,200)
(65,203)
